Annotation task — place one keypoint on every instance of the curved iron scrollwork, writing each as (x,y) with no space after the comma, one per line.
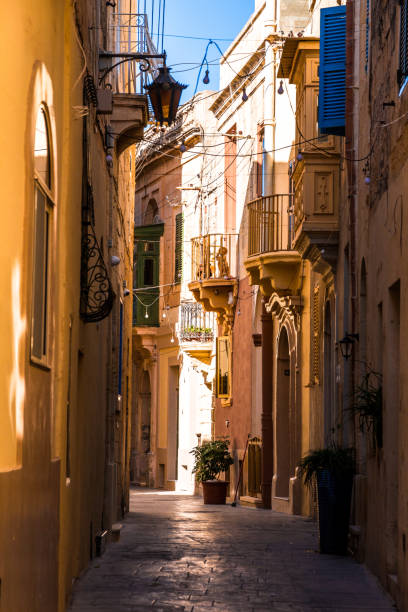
(97,295)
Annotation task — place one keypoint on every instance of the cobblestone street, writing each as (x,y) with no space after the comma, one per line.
(175,554)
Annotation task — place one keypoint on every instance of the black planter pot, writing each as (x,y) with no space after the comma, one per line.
(334,500)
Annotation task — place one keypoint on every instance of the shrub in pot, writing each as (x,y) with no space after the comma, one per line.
(210,459)
(332,469)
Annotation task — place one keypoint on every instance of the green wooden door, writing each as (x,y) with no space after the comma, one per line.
(147,275)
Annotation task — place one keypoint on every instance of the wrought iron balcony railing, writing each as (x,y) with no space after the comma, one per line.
(195,324)
(214,256)
(128,35)
(271,224)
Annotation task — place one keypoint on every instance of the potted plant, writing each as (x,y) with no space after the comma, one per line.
(210,459)
(368,405)
(332,469)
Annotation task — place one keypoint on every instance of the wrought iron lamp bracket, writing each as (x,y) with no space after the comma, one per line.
(106,66)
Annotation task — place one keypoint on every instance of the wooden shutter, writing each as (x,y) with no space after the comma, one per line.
(147,275)
(316,336)
(403,61)
(332,71)
(178,265)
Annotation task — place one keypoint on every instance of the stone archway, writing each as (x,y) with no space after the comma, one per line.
(282,419)
(287,421)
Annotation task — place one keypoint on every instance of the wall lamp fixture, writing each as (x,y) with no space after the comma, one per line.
(347,343)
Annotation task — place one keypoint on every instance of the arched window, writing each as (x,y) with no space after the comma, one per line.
(151,212)
(43,194)
(42,149)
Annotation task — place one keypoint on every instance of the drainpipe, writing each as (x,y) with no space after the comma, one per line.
(267,417)
(266,318)
(269,120)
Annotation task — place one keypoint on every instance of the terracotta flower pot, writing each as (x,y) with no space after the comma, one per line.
(214,491)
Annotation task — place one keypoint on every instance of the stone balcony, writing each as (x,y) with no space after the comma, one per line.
(272,263)
(123,76)
(316,171)
(129,118)
(214,281)
(196,331)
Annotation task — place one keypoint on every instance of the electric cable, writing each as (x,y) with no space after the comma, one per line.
(162,36)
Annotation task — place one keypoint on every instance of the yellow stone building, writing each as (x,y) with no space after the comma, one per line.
(65,391)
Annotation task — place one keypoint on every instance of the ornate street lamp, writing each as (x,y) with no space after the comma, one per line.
(165,93)
(346,345)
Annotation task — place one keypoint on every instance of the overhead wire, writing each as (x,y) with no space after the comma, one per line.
(162,37)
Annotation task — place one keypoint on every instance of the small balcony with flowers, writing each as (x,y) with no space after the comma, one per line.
(196,331)
(272,262)
(214,282)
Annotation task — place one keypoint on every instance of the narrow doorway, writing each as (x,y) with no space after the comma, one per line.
(144,430)
(328,378)
(392,380)
(173,424)
(282,417)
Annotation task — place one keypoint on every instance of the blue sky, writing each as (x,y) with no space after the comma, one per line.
(215,19)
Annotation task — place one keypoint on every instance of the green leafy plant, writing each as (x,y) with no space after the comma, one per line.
(336,459)
(210,459)
(367,403)
(198,330)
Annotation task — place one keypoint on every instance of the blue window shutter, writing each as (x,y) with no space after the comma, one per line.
(332,71)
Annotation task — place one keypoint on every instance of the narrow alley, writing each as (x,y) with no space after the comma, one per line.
(175,554)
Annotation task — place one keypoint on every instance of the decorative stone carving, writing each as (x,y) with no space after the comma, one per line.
(286,308)
(323,193)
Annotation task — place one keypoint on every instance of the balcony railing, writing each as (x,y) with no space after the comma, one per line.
(270,224)
(128,33)
(214,256)
(196,325)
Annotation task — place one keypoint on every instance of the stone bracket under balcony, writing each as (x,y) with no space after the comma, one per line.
(320,247)
(129,117)
(145,344)
(198,350)
(217,295)
(276,272)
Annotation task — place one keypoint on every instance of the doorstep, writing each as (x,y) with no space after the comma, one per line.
(115,532)
(252,502)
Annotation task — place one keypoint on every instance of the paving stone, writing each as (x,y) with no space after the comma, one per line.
(176,555)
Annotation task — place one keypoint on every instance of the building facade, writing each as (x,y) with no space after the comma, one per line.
(173,337)
(68,182)
(372,255)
